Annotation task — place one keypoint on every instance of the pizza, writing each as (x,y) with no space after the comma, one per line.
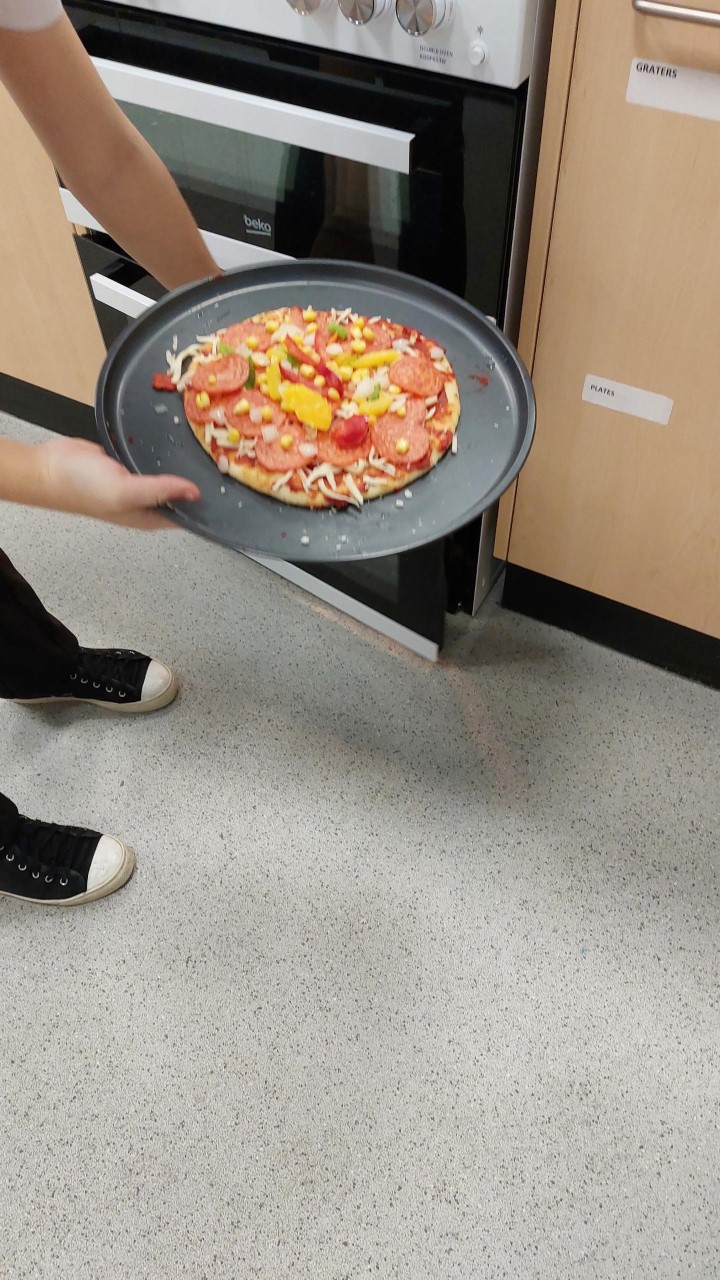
(318,408)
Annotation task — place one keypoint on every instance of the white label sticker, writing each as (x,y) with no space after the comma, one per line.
(624,399)
(680,89)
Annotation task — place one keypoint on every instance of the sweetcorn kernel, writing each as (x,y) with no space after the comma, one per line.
(252,343)
(212,380)
(307,370)
(346,373)
(368,333)
(393,390)
(233,435)
(272,326)
(202,400)
(333,394)
(309,314)
(267,414)
(242,406)
(319,381)
(356,331)
(286,442)
(401,411)
(402,447)
(359,346)
(311,328)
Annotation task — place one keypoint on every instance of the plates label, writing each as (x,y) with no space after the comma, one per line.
(679,89)
(625,399)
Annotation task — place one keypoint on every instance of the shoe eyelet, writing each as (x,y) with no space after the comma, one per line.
(35,875)
(108,689)
(9,857)
(84,680)
(2,848)
(123,694)
(74,675)
(63,881)
(49,879)
(22,868)
(96,685)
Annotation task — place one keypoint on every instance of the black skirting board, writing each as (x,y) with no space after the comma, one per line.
(617,626)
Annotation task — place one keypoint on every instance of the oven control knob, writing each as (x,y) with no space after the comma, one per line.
(360,12)
(420,17)
(306,7)
(479,53)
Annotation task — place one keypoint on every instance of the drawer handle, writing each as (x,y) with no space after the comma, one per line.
(118,296)
(678,12)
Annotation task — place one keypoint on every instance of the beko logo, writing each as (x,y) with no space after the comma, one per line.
(256,226)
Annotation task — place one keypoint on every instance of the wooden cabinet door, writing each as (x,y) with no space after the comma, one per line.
(49,334)
(608,501)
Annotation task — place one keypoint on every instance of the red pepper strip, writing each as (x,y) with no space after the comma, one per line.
(163,382)
(331,379)
(292,375)
(298,354)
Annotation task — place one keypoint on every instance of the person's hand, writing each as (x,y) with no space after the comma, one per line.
(81,478)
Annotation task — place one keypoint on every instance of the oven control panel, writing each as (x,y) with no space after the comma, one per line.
(486,41)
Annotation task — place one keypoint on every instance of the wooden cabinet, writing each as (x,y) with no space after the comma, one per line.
(627,289)
(49,334)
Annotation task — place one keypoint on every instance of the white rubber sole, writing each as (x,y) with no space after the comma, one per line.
(124,709)
(121,877)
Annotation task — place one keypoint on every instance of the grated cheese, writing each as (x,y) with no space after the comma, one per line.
(454,445)
(352,487)
(333,493)
(324,471)
(281,480)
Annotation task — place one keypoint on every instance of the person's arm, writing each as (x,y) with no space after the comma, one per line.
(101,157)
(76,476)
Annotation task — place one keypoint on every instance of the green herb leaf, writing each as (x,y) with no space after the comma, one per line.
(339,330)
(375,395)
(293,361)
(250,384)
(225,350)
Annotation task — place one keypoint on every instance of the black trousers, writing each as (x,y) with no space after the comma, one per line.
(36,651)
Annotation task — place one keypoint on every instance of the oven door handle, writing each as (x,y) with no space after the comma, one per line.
(112,293)
(333,135)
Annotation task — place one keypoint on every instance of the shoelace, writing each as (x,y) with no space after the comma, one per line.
(44,849)
(112,669)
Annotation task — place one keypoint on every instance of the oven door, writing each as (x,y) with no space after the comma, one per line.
(285,151)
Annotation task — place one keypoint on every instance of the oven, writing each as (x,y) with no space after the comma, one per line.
(392,132)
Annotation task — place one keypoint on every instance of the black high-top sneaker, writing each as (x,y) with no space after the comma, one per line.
(118,679)
(59,866)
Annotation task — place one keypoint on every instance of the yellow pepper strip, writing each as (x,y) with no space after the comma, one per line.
(309,407)
(375,407)
(373,359)
(274,378)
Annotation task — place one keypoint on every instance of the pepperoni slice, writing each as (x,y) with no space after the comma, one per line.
(389,430)
(203,416)
(274,458)
(382,338)
(220,377)
(238,334)
(338,455)
(418,375)
(243,422)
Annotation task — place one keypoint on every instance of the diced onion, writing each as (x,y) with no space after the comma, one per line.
(269,434)
(223,464)
(219,416)
(430,401)
(333,349)
(256,415)
(354,491)
(330,493)
(436,353)
(307,449)
(454,445)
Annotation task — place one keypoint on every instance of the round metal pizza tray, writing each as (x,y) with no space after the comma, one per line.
(494,435)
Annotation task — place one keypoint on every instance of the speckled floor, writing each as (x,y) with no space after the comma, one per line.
(418,976)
